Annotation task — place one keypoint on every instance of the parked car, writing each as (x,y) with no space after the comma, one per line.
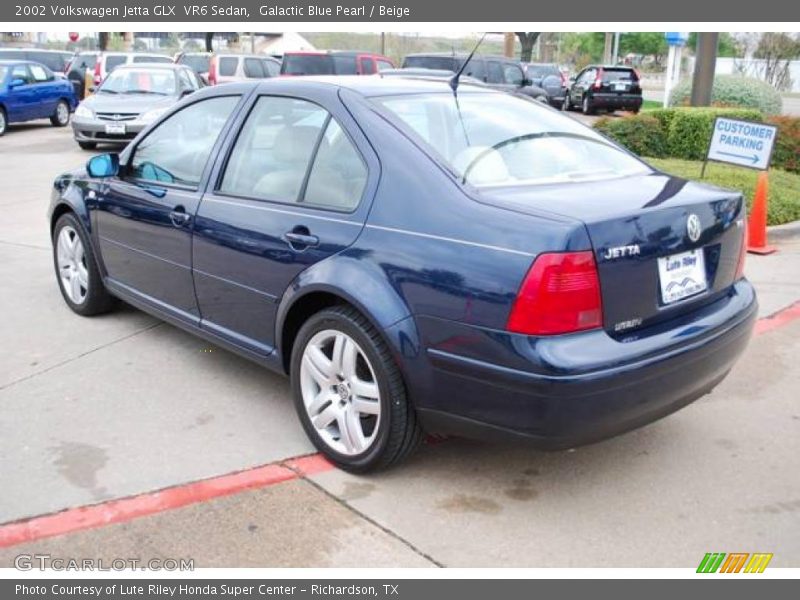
(55,60)
(416,260)
(108,61)
(427,74)
(229,68)
(550,78)
(498,72)
(29,91)
(200,62)
(604,88)
(335,62)
(128,100)
(80,71)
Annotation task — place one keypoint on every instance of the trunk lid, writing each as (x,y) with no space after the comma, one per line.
(635,224)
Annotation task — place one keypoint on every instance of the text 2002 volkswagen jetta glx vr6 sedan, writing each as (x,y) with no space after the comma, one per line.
(416,260)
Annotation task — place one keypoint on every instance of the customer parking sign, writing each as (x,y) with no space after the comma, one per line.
(742,143)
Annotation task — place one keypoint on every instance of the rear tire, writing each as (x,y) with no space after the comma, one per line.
(358,440)
(3,121)
(76,269)
(567,105)
(87,145)
(60,117)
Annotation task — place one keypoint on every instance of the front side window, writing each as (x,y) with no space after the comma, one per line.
(272,68)
(112,62)
(512,74)
(499,139)
(177,150)
(291,150)
(40,74)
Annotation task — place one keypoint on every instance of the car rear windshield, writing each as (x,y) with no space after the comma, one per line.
(227,66)
(498,139)
(611,75)
(198,62)
(308,64)
(142,80)
(446,63)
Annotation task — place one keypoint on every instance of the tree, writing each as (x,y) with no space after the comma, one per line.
(102,40)
(777,50)
(526,41)
(209,42)
(646,43)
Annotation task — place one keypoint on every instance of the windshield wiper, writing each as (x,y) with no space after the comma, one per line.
(102,91)
(145,92)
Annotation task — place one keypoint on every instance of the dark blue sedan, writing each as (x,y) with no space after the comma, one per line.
(29,91)
(416,260)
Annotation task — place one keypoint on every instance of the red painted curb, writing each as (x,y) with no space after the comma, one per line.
(309,465)
(779,319)
(125,509)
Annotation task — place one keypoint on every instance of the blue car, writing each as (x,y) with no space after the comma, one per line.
(414,259)
(30,90)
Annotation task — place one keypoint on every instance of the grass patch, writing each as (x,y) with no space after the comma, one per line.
(651,104)
(784,187)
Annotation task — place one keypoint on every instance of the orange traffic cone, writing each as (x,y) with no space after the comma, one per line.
(757,224)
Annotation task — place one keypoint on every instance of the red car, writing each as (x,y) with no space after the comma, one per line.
(338,62)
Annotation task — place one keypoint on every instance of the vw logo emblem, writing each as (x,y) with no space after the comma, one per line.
(693,227)
(117,117)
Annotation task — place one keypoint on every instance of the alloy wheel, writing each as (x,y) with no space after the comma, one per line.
(72,268)
(62,113)
(340,392)
(2,122)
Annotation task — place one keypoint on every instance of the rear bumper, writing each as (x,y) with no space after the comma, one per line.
(621,101)
(585,387)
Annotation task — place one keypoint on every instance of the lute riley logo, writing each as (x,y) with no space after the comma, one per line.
(735,562)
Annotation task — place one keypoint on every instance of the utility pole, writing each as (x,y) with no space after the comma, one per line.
(383,43)
(615,57)
(607,48)
(704,66)
(508,44)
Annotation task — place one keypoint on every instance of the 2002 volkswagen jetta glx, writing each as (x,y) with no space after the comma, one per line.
(415,259)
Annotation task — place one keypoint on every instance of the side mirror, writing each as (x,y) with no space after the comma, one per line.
(92,89)
(572,79)
(185,93)
(16,83)
(525,82)
(103,165)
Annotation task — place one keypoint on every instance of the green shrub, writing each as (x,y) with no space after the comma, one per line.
(675,132)
(734,91)
(641,134)
(690,129)
(786,154)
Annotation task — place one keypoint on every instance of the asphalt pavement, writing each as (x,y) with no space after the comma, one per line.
(108,424)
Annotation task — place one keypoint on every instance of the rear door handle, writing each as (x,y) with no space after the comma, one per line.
(179,216)
(297,239)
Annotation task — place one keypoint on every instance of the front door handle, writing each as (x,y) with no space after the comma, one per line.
(179,216)
(301,238)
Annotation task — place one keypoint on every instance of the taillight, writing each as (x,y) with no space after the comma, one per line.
(564,80)
(560,294)
(98,74)
(212,71)
(742,255)
(598,80)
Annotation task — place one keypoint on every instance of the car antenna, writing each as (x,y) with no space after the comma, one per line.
(455,78)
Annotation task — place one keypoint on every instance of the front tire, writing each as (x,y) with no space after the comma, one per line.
(3,121)
(349,393)
(60,117)
(76,269)
(587,107)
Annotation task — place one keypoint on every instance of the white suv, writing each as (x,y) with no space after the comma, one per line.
(108,61)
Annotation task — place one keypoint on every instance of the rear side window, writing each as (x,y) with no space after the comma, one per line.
(177,150)
(308,64)
(113,62)
(293,151)
(254,68)
(496,74)
(611,75)
(274,149)
(21,72)
(198,62)
(384,64)
(227,66)
(367,65)
(542,71)
(345,65)
(272,68)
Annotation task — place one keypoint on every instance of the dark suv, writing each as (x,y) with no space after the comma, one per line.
(335,62)
(497,72)
(607,88)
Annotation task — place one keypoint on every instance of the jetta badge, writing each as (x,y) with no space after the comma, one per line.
(693,227)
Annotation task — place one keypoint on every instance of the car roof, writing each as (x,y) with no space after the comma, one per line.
(154,65)
(7,62)
(459,55)
(365,86)
(47,50)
